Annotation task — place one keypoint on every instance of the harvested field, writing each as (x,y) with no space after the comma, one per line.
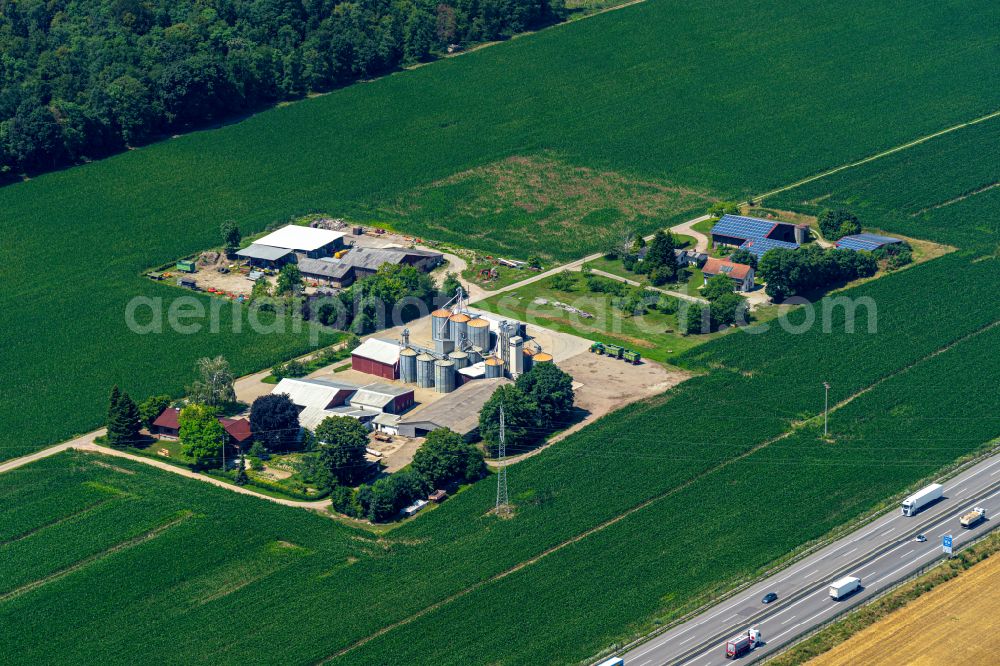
(953,622)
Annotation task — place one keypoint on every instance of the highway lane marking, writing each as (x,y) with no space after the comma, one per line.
(788,620)
(888,532)
(687,640)
(850,551)
(995,473)
(945,519)
(812,572)
(825,610)
(960,489)
(648,661)
(908,564)
(906,553)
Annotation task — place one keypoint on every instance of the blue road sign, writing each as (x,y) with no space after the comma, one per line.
(946,543)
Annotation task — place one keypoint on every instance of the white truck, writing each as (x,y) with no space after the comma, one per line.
(918,500)
(972,518)
(743,643)
(614,661)
(844,587)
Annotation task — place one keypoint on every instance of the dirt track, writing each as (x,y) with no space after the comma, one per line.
(952,624)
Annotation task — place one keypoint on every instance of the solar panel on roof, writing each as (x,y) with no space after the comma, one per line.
(739,226)
(758,246)
(868,242)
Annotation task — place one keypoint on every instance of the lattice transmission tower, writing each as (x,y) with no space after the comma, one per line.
(503,505)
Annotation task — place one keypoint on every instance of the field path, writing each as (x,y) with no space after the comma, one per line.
(687,228)
(675,294)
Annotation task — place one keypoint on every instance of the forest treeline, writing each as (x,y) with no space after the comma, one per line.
(81,79)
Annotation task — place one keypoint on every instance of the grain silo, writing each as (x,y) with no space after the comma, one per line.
(541,357)
(459,358)
(478,330)
(444,376)
(439,325)
(458,324)
(516,356)
(425,371)
(408,366)
(494,367)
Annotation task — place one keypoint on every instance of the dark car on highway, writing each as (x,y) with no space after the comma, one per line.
(769,597)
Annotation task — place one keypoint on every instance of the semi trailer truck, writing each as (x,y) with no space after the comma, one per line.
(972,518)
(844,587)
(918,500)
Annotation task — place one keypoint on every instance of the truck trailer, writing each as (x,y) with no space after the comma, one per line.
(742,644)
(918,500)
(844,587)
(972,518)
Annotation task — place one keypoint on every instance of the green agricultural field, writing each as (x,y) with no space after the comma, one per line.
(945,189)
(658,107)
(674,460)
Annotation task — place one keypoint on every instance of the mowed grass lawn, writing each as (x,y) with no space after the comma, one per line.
(715,98)
(654,334)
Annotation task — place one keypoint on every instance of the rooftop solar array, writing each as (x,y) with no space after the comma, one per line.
(868,242)
(739,226)
(758,246)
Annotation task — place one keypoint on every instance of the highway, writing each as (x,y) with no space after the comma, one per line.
(881,553)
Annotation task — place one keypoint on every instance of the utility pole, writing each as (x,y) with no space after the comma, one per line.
(503,506)
(826,407)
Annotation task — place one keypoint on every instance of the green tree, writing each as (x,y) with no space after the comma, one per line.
(564,281)
(717,286)
(215,385)
(720,208)
(696,320)
(124,423)
(534,261)
(551,389)
(202,436)
(445,457)
(152,407)
(837,223)
(451,284)
(289,280)
(520,417)
(274,421)
(727,309)
(660,255)
(418,35)
(341,449)
(231,237)
(741,256)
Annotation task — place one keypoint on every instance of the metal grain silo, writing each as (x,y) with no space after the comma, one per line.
(541,357)
(459,358)
(494,367)
(459,323)
(408,366)
(439,325)
(425,371)
(478,330)
(444,376)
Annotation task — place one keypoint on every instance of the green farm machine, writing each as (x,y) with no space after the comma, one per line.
(616,351)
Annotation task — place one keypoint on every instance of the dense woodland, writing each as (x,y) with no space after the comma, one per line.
(80,79)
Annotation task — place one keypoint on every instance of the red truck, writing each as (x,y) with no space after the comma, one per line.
(739,646)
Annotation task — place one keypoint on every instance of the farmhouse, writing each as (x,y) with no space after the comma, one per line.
(741,274)
(363,262)
(282,246)
(377,357)
(458,410)
(867,242)
(167,425)
(757,235)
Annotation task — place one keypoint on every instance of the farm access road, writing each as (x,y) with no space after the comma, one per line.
(881,553)
(684,228)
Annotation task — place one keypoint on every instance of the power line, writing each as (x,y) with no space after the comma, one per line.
(503,504)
